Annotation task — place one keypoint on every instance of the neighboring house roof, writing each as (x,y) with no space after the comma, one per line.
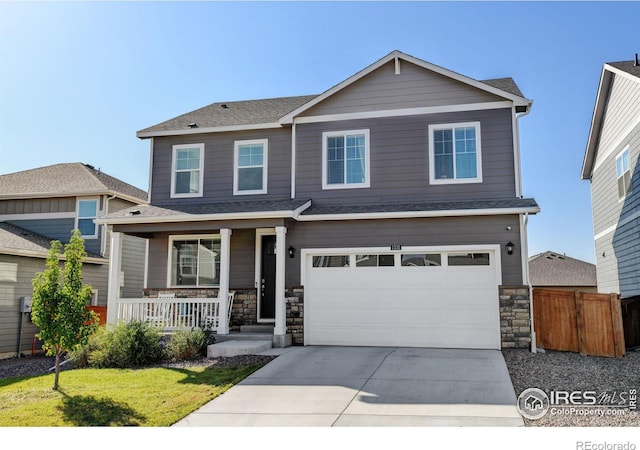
(20,242)
(629,69)
(67,179)
(274,112)
(554,269)
(303,210)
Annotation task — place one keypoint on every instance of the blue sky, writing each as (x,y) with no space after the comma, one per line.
(78,79)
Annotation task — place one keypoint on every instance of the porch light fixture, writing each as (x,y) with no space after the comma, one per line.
(292,252)
(510,248)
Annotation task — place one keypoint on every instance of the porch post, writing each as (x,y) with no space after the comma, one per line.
(225,251)
(281,324)
(113,286)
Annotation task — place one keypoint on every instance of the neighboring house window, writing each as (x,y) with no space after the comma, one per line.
(194,261)
(454,153)
(623,172)
(186,170)
(250,167)
(345,159)
(87,211)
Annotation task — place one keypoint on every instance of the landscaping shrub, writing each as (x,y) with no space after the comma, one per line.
(186,344)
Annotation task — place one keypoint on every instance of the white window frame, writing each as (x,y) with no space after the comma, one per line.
(200,147)
(367,153)
(185,237)
(236,155)
(454,180)
(618,157)
(77,218)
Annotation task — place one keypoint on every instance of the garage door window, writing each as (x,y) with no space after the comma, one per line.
(331,261)
(374,260)
(469,259)
(422,259)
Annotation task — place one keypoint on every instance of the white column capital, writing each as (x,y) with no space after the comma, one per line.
(281,230)
(225,232)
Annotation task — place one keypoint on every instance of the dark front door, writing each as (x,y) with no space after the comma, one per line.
(268,278)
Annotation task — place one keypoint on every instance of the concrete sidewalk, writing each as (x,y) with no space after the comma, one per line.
(369,386)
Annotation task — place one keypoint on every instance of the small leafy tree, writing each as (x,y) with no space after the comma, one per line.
(59,302)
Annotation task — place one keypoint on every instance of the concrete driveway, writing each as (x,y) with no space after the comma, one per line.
(369,386)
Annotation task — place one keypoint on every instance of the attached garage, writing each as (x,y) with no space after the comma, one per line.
(412,297)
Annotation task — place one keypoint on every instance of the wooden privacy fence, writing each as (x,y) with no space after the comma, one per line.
(590,324)
(101,311)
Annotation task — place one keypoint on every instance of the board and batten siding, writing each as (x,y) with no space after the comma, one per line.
(38,205)
(219,164)
(16,275)
(414,87)
(399,160)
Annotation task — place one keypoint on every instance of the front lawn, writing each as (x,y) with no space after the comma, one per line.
(114,397)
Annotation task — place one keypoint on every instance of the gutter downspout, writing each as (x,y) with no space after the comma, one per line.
(103,240)
(517,164)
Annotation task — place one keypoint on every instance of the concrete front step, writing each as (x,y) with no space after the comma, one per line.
(235,348)
(278,341)
(257,328)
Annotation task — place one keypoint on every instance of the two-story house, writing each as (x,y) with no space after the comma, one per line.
(611,166)
(385,211)
(47,203)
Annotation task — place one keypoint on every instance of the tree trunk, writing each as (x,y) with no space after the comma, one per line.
(55,380)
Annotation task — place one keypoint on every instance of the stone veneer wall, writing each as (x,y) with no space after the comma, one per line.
(515,317)
(295,314)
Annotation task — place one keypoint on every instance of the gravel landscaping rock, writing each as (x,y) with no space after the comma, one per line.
(554,371)
(39,365)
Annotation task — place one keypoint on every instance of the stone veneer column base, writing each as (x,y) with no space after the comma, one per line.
(515,317)
(295,314)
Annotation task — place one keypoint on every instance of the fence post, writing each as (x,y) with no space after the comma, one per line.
(582,329)
(617,327)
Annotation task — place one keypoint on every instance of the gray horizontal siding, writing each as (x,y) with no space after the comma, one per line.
(117,204)
(218,166)
(133,259)
(54,229)
(38,205)
(399,160)
(414,87)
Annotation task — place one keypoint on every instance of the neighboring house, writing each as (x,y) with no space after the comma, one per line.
(45,204)
(611,165)
(552,270)
(385,211)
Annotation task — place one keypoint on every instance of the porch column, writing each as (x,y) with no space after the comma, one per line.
(225,252)
(281,311)
(113,286)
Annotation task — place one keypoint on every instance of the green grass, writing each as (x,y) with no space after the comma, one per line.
(114,397)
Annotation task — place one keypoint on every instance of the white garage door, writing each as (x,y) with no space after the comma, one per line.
(418,297)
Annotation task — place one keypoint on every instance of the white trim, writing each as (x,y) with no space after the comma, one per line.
(621,137)
(622,73)
(495,248)
(615,226)
(151,144)
(176,237)
(94,297)
(223,291)
(264,166)
(280,328)
(524,243)
(454,180)
(113,282)
(418,214)
(258,269)
(200,148)
(404,112)
(424,64)
(618,156)
(44,254)
(285,214)
(293,159)
(77,218)
(76,194)
(222,129)
(38,216)
(146,264)
(367,151)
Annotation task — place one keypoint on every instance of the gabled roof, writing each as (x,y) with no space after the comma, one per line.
(20,242)
(628,69)
(65,180)
(555,269)
(276,112)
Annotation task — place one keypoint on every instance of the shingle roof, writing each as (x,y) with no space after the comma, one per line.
(18,241)
(508,203)
(554,269)
(66,179)
(627,66)
(505,84)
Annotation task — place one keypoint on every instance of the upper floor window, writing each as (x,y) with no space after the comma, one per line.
(186,170)
(250,167)
(454,153)
(87,210)
(345,159)
(623,173)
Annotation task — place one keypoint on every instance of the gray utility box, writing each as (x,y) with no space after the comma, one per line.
(25,304)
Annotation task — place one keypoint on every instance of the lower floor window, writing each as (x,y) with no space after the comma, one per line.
(195,261)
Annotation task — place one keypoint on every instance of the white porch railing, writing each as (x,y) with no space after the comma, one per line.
(174,313)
